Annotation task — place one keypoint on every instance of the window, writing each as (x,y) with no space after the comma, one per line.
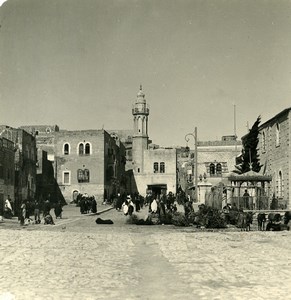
(212,169)
(80,176)
(87,149)
(81,149)
(218,169)
(156,167)
(66,149)
(83,175)
(277,135)
(86,175)
(66,177)
(162,167)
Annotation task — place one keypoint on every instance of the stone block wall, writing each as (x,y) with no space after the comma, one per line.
(274,156)
(70,163)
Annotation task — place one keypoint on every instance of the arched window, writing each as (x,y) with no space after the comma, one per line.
(218,169)
(66,149)
(81,149)
(162,167)
(87,149)
(86,175)
(156,167)
(83,175)
(277,134)
(212,169)
(80,175)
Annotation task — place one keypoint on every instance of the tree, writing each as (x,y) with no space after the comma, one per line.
(249,159)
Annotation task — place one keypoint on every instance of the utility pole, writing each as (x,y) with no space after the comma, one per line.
(196,165)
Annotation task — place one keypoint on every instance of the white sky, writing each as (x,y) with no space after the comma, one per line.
(79,64)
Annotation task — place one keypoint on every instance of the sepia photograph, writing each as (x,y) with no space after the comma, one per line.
(145,149)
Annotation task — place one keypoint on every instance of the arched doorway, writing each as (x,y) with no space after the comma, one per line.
(75,196)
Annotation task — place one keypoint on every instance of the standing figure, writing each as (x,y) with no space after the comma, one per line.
(46,208)
(58,210)
(130,207)
(154,206)
(36,212)
(94,205)
(137,202)
(22,212)
(125,207)
(246,197)
(8,209)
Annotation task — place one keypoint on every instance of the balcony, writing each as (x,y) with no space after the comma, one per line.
(137,111)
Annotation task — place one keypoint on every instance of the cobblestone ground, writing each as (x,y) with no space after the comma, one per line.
(78,259)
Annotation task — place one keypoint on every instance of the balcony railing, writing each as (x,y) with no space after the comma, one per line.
(252,203)
(140,110)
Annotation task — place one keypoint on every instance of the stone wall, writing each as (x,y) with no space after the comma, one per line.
(275,154)
(70,163)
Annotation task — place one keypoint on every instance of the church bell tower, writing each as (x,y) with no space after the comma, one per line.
(140,137)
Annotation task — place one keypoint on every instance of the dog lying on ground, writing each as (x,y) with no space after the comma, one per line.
(101,221)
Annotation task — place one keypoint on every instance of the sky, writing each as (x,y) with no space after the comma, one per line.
(215,65)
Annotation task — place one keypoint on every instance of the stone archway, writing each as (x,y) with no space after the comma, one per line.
(75,195)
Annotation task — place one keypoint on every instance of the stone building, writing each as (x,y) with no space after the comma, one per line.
(150,169)
(215,159)
(46,184)
(25,163)
(45,137)
(89,162)
(274,150)
(7,173)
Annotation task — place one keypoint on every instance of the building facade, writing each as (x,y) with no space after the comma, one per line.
(89,162)
(215,161)
(7,172)
(25,163)
(151,170)
(275,155)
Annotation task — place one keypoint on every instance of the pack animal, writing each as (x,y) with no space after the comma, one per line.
(287,217)
(274,222)
(261,221)
(245,219)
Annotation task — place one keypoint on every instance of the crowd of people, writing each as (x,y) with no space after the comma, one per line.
(30,210)
(87,204)
(157,204)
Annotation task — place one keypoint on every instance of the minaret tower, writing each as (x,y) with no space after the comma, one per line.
(140,137)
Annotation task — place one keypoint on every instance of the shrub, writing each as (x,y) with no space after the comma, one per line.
(179,219)
(133,219)
(166,219)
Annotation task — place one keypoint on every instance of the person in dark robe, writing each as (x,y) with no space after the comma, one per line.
(119,202)
(36,212)
(246,197)
(94,205)
(137,203)
(130,206)
(58,210)
(82,205)
(46,207)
